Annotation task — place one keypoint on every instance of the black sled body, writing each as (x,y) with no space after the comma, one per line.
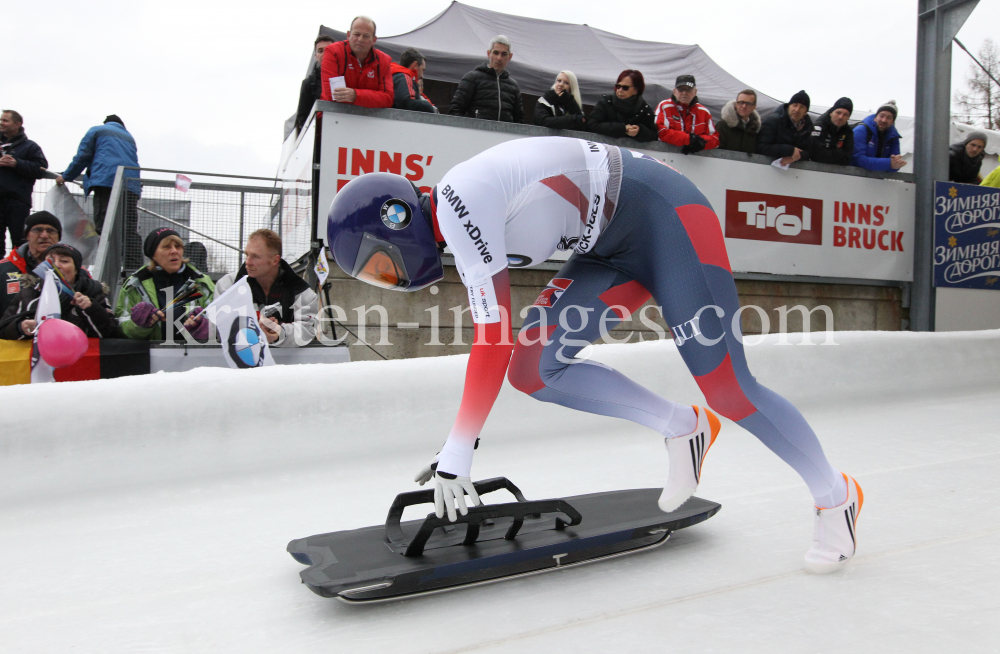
(492,543)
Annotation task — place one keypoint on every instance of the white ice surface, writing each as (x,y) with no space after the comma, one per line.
(151,514)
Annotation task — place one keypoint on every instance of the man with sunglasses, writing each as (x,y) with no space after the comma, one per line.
(637,229)
(685,122)
(42,230)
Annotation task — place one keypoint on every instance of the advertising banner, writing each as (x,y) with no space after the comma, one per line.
(966,236)
(787,222)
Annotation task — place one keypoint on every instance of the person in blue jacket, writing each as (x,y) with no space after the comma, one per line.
(876,141)
(102,150)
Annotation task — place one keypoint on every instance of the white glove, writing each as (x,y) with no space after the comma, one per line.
(426,472)
(449,492)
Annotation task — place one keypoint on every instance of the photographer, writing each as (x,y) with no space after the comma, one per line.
(286,304)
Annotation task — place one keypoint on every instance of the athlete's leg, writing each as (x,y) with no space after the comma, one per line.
(567,316)
(671,242)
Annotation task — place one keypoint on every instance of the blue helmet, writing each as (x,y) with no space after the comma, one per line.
(378,233)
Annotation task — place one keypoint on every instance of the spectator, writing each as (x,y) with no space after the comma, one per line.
(560,106)
(488,91)
(876,141)
(740,123)
(785,133)
(683,121)
(626,113)
(275,284)
(311,90)
(21,163)
(993,179)
(87,308)
(102,150)
(141,301)
(966,159)
(364,70)
(832,139)
(408,82)
(43,230)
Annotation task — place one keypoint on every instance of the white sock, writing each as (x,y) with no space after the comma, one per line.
(682,421)
(836,496)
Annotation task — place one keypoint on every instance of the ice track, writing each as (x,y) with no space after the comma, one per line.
(151,514)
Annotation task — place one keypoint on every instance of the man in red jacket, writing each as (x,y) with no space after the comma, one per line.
(362,74)
(685,122)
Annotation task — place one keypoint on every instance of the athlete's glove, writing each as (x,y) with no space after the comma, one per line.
(427,472)
(450,490)
(697,144)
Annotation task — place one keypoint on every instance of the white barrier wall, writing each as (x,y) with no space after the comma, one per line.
(788,222)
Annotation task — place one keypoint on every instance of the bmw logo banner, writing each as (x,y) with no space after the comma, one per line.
(243,342)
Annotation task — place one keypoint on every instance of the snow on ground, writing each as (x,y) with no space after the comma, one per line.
(151,514)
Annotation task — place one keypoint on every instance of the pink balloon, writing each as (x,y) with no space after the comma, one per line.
(61,343)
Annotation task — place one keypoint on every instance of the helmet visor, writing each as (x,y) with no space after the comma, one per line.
(379,263)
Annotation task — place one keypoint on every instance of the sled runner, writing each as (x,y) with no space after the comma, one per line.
(493,542)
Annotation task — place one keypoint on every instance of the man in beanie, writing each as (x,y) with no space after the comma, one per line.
(832,140)
(786,132)
(144,297)
(966,159)
(683,121)
(42,230)
(103,149)
(876,141)
(21,163)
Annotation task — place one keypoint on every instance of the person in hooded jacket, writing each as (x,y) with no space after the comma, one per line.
(407,82)
(560,106)
(145,294)
(488,91)
(740,123)
(21,163)
(786,132)
(626,113)
(967,158)
(87,307)
(832,140)
(876,141)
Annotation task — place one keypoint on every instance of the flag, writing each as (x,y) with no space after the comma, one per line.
(48,307)
(243,342)
(321,268)
(182,183)
(106,358)
(78,229)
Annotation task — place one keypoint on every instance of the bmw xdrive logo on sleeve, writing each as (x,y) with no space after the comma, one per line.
(396,214)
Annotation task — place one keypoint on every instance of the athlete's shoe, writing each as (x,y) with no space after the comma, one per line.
(835,535)
(687,453)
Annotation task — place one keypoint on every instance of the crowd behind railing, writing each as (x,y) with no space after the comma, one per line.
(355,72)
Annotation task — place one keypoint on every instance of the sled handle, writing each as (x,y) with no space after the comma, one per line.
(477,514)
(403,500)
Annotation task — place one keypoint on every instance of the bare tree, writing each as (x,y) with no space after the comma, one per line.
(981,105)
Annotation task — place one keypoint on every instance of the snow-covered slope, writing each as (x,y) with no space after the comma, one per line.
(151,513)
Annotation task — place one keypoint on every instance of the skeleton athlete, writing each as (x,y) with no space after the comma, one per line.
(637,228)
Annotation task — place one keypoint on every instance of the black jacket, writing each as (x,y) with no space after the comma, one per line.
(481,94)
(309,93)
(96,321)
(778,137)
(831,144)
(285,289)
(611,115)
(403,95)
(558,111)
(962,168)
(18,181)
(12,268)
(733,134)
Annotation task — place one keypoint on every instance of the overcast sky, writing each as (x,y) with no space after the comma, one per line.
(207,85)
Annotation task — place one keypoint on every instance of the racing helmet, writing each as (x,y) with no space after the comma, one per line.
(378,233)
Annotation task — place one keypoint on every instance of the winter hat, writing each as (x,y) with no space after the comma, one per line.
(843,103)
(113,119)
(800,98)
(153,240)
(42,218)
(69,251)
(889,106)
(973,136)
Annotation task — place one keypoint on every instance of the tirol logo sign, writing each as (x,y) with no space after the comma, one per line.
(779,218)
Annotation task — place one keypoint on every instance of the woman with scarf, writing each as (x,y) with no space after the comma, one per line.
(626,113)
(560,108)
(966,159)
